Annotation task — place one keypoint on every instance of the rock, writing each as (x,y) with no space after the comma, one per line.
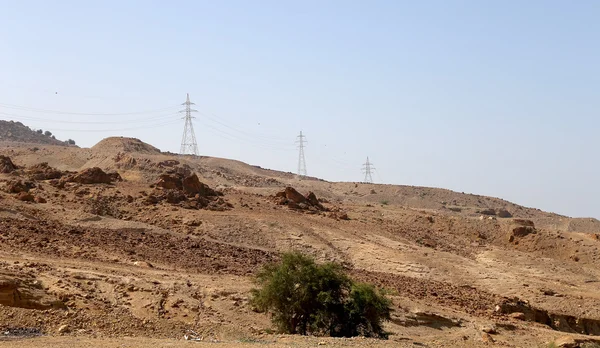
(312,198)
(489,329)
(168,163)
(63,329)
(294,196)
(566,342)
(521,231)
(175,196)
(503,213)
(517,315)
(192,186)
(548,292)
(18,186)
(170,182)
(25,292)
(40,199)
(25,197)
(6,165)
(151,199)
(485,337)
(93,175)
(42,171)
(143,264)
(523,222)
(488,211)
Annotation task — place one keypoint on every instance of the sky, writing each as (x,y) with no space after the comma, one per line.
(498,98)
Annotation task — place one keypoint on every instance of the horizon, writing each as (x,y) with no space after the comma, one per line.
(490,99)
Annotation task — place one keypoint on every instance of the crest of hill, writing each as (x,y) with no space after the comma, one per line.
(18,132)
(114,145)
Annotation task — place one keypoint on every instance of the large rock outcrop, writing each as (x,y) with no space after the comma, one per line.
(25,293)
(94,175)
(185,189)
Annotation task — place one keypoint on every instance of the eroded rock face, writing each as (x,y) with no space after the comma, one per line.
(25,293)
(6,165)
(520,229)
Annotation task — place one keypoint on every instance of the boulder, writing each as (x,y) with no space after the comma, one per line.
(6,165)
(503,213)
(294,196)
(42,171)
(93,175)
(192,186)
(25,197)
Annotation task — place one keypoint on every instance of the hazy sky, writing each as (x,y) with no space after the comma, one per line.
(498,98)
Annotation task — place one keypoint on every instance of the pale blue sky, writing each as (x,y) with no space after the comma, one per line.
(497,98)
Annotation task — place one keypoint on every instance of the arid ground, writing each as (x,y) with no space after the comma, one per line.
(120,245)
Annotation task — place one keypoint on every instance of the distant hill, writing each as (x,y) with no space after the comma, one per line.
(18,132)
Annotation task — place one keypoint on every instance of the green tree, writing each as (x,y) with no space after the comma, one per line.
(304,297)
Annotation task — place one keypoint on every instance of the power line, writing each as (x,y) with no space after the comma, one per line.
(47,111)
(188,140)
(367,168)
(162,124)
(213,118)
(301,159)
(38,119)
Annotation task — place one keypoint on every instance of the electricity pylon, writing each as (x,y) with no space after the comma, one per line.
(367,168)
(188,141)
(301,159)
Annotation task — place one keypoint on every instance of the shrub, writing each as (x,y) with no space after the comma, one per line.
(47,133)
(307,298)
(384,202)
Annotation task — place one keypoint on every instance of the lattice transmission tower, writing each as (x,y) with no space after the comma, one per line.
(188,141)
(301,159)
(367,168)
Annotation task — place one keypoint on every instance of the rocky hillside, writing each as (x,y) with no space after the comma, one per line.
(18,132)
(122,239)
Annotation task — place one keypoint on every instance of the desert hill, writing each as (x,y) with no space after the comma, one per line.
(122,239)
(18,132)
